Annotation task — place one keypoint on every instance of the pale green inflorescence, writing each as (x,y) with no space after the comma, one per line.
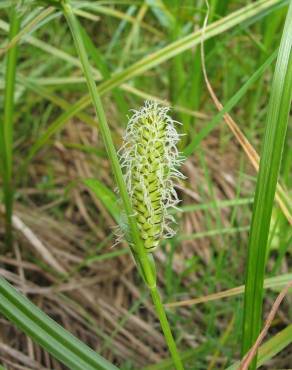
(149,158)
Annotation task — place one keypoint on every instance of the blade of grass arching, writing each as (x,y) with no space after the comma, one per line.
(46,332)
(275,345)
(144,260)
(6,129)
(272,147)
(271,348)
(58,124)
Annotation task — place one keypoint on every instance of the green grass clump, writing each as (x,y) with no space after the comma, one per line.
(6,128)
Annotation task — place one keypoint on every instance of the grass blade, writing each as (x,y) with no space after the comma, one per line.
(107,197)
(46,332)
(274,283)
(272,147)
(6,129)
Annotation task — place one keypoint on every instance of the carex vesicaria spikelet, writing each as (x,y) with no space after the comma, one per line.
(149,158)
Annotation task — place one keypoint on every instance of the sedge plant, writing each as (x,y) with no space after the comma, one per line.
(144,235)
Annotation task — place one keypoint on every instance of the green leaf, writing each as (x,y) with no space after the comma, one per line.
(6,128)
(47,333)
(272,147)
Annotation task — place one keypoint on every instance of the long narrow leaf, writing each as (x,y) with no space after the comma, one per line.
(46,332)
(272,147)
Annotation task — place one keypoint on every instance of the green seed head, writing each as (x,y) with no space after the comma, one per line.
(149,158)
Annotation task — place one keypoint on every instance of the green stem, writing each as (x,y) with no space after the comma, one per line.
(147,266)
(166,328)
(6,132)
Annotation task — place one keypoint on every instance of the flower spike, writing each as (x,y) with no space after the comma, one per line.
(149,158)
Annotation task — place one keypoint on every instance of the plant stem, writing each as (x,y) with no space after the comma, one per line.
(73,353)
(143,260)
(6,131)
(165,327)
